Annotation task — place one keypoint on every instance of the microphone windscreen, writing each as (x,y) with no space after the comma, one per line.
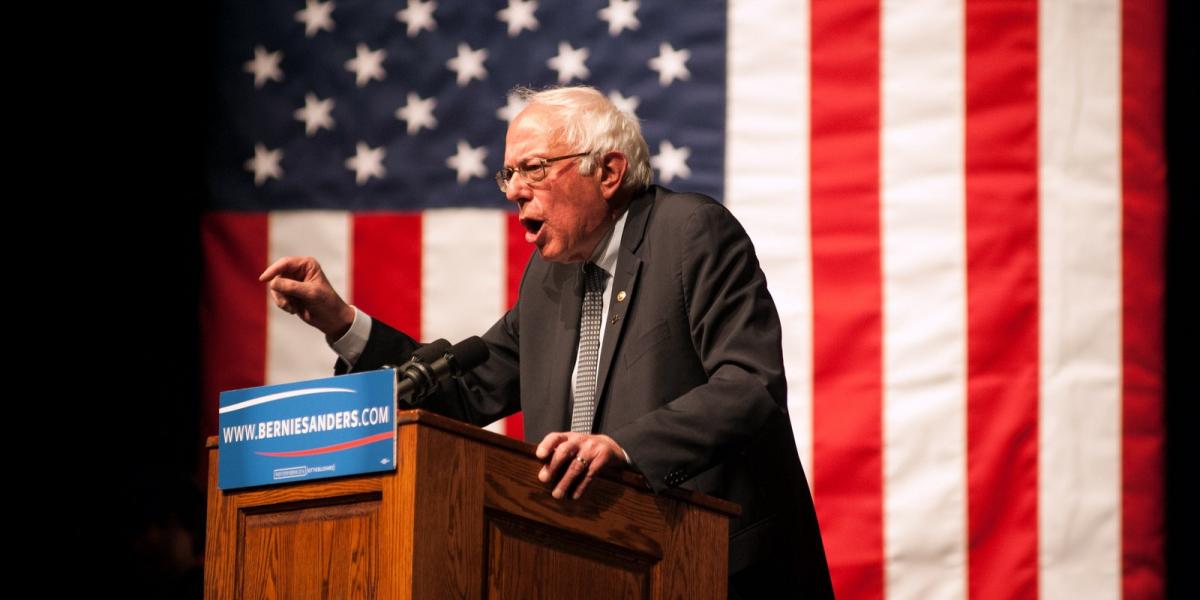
(431,351)
(469,353)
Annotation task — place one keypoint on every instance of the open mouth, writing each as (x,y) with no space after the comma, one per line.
(532,225)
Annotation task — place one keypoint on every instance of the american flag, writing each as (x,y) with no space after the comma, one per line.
(959,206)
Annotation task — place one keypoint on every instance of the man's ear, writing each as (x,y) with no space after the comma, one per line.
(613,166)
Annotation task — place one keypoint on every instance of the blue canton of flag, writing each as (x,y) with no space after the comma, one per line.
(404,105)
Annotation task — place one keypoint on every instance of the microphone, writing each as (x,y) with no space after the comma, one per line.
(434,362)
(417,373)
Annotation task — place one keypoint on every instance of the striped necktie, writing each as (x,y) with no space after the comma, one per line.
(583,411)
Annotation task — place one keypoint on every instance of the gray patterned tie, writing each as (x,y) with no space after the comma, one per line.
(583,410)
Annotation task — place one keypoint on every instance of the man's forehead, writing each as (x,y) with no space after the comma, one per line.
(529,135)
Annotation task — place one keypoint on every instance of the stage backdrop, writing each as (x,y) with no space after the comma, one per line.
(959,206)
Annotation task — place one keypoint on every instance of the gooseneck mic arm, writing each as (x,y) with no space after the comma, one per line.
(435,362)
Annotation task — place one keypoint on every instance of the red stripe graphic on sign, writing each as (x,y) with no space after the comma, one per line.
(371,439)
(847,292)
(1001,160)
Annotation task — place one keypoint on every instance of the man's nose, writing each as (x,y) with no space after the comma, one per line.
(516,190)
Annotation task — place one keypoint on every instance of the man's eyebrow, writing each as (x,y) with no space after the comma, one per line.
(525,160)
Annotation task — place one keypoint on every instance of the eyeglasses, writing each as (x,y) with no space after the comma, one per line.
(533,170)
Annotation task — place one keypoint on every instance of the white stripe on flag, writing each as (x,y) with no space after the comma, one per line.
(462,274)
(296,351)
(767,175)
(1080,457)
(924,291)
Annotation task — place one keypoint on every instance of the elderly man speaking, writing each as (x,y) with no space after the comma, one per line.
(643,333)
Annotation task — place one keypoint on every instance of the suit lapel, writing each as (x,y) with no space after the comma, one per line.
(567,283)
(624,286)
(623,293)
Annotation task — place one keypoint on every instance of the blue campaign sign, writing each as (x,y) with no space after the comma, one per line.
(315,429)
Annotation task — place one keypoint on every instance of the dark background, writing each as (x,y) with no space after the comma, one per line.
(147,281)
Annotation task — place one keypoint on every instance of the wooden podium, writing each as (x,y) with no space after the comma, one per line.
(462,516)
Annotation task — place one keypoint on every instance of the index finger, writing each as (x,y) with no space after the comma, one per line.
(277,268)
(549,442)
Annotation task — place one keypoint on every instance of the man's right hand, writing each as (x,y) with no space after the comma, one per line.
(298,285)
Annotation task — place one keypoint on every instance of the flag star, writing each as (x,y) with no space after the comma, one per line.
(366,163)
(265,66)
(621,15)
(315,114)
(265,164)
(468,64)
(671,162)
(569,63)
(418,16)
(468,162)
(671,64)
(316,16)
(626,105)
(418,113)
(519,16)
(511,109)
(367,64)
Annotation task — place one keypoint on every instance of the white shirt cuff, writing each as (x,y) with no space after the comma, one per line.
(350,346)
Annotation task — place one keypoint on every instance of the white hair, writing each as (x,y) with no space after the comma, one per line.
(587,121)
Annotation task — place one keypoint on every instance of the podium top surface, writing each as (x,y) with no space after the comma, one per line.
(621,473)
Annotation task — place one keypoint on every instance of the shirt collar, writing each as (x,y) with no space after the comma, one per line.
(605,255)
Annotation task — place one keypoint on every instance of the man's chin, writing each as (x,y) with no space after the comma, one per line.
(556,255)
(555,258)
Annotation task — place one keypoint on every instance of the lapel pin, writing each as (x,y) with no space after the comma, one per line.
(621,296)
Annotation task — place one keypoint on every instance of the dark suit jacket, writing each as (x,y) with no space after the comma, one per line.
(691,380)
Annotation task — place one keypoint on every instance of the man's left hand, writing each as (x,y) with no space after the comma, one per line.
(578,457)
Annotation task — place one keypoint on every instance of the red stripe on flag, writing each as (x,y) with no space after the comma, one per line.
(1143,168)
(233,307)
(518,252)
(1001,161)
(385,268)
(517,255)
(847,293)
